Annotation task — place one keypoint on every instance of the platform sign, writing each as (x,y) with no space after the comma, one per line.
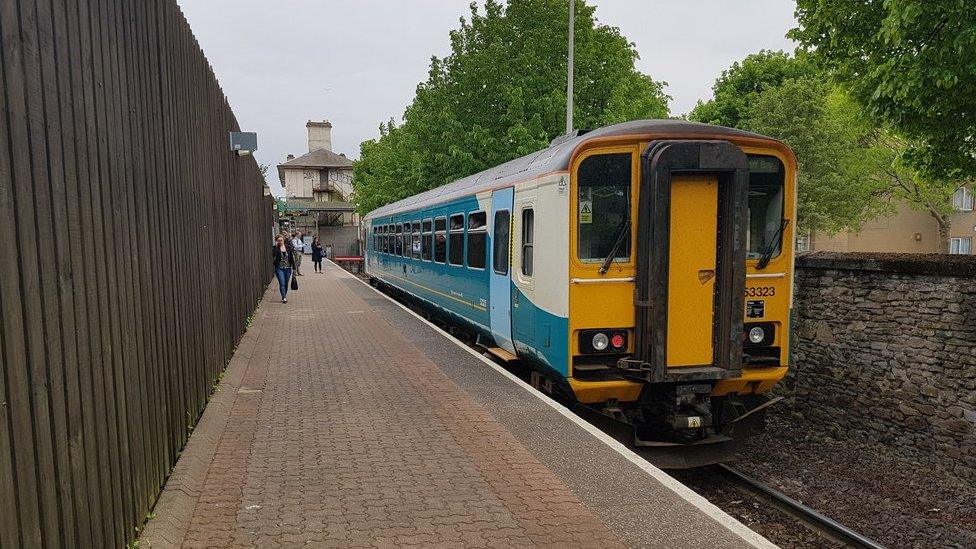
(243,142)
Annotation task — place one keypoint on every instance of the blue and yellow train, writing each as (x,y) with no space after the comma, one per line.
(642,269)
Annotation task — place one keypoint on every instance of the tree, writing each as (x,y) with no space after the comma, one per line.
(740,85)
(911,64)
(500,94)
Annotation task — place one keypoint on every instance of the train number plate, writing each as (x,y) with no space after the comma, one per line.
(761,291)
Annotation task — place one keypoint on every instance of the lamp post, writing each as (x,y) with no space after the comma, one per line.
(569,68)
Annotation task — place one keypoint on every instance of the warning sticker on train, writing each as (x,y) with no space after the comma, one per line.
(586,211)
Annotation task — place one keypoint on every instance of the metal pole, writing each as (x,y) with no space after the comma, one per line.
(569,70)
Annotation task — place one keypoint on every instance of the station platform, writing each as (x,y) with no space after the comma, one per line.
(345,420)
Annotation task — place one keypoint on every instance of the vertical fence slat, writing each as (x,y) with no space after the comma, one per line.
(76,249)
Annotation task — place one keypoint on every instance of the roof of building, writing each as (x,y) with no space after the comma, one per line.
(319,158)
(556,157)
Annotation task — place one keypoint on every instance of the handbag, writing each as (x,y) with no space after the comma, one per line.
(294,282)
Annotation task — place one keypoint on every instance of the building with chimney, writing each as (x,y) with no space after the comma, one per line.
(318,192)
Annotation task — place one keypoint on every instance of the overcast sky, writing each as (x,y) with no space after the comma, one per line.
(358,62)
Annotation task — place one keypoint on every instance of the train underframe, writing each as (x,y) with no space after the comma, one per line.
(680,425)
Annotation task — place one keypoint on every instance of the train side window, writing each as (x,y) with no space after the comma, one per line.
(528,237)
(477,239)
(440,240)
(415,241)
(457,240)
(389,239)
(425,243)
(385,241)
(398,240)
(500,242)
(603,203)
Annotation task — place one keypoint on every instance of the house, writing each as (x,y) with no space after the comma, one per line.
(906,231)
(318,192)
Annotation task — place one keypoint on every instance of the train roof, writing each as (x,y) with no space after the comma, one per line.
(554,158)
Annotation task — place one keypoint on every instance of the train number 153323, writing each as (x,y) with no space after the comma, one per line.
(761,291)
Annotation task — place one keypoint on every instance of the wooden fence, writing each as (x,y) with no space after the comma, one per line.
(133,247)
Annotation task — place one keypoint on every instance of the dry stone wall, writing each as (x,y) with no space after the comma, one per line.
(885,351)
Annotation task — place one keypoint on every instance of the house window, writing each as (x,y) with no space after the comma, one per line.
(962,199)
(477,239)
(961,245)
(457,240)
(803,242)
(440,240)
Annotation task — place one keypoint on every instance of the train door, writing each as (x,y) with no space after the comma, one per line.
(692,263)
(500,276)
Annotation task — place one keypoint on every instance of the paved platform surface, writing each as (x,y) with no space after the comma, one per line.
(343,420)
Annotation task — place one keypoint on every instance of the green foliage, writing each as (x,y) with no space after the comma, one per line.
(500,94)
(911,63)
(740,85)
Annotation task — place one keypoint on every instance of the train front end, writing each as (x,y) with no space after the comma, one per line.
(680,282)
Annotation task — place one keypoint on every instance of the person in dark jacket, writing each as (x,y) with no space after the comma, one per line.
(284,263)
(317,254)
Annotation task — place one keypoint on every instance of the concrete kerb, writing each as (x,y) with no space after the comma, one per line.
(685,493)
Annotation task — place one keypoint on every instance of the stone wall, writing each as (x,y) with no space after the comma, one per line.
(885,351)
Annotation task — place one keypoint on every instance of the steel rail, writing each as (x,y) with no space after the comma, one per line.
(812,519)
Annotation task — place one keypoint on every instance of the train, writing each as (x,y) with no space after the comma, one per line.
(642,272)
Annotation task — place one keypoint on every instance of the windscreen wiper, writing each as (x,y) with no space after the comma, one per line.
(622,230)
(770,248)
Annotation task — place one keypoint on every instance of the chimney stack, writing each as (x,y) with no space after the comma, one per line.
(319,135)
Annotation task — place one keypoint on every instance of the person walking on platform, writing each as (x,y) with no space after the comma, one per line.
(284,263)
(317,254)
(298,245)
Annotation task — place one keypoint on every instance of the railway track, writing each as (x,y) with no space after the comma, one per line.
(812,519)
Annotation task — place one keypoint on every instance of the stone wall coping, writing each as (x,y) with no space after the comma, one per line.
(963,266)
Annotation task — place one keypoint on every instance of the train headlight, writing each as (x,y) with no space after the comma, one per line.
(600,341)
(757,334)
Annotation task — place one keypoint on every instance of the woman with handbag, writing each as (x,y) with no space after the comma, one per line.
(317,254)
(284,264)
